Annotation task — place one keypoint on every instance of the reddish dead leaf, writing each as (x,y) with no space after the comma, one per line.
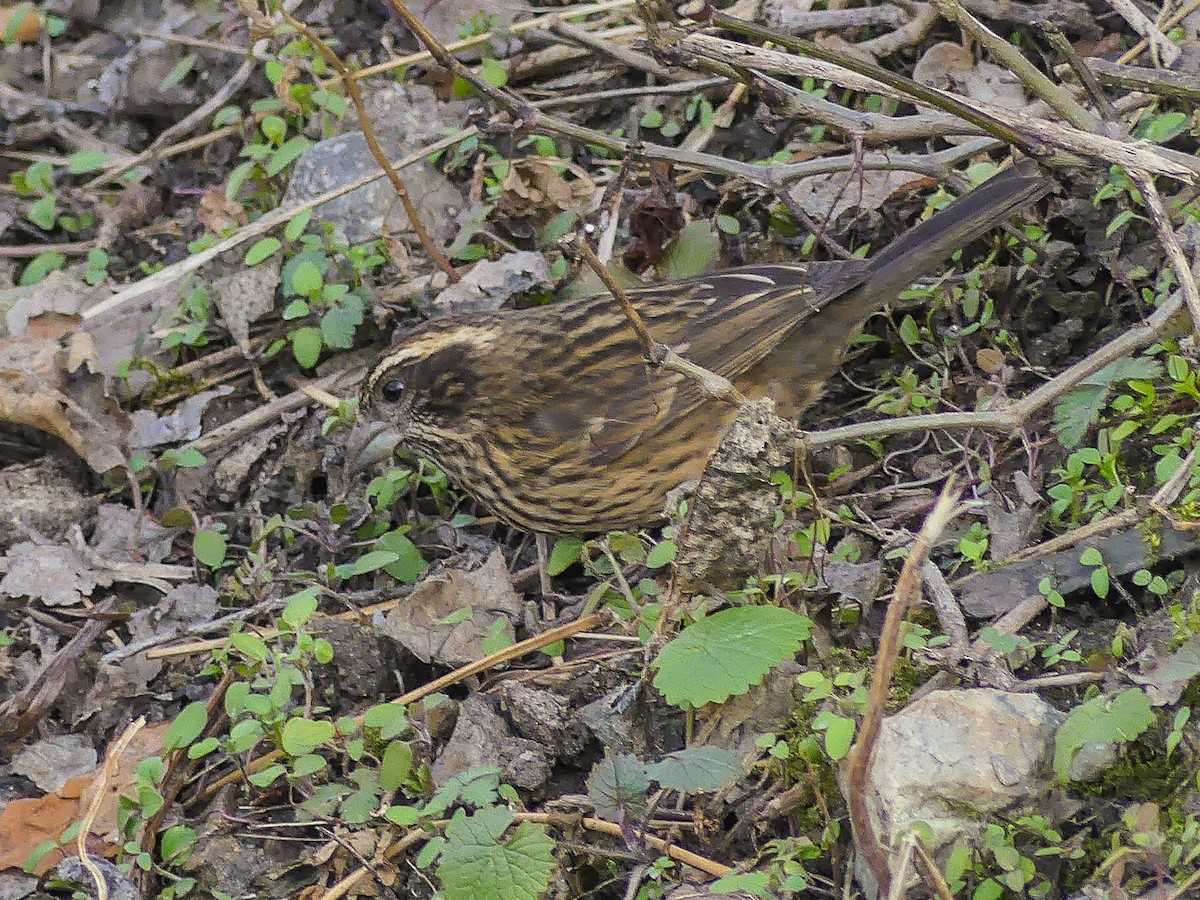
(29,823)
(654,221)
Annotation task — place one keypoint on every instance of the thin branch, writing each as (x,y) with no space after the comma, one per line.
(657,354)
(908,587)
(1059,99)
(368,131)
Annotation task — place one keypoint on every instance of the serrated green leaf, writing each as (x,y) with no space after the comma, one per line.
(1081,408)
(475,864)
(565,554)
(726,653)
(618,785)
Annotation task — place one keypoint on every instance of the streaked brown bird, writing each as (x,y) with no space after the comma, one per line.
(551,417)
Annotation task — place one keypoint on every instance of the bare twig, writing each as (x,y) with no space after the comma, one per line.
(908,586)
(1033,135)
(1178,16)
(112,760)
(631,58)
(1163,51)
(657,354)
(1163,83)
(1058,98)
(1082,71)
(368,131)
(1170,243)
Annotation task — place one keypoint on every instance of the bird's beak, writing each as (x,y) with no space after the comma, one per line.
(369,443)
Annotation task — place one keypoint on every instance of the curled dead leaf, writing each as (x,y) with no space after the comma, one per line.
(990,361)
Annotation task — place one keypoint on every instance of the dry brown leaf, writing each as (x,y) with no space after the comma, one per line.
(534,186)
(28,823)
(990,361)
(219,214)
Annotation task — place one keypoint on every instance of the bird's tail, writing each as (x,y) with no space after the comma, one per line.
(919,250)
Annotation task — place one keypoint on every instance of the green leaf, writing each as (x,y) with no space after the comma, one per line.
(1091,557)
(298,224)
(909,332)
(300,606)
(693,252)
(297,309)
(341,321)
(396,764)
(371,562)
(652,119)
(307,278)
(41,266)
(175,841)
(1108,719)
(1100,581)
(251,645)
(390,718)
(1164,127)
(264,249)
(839,735)
(618,786)
(189,458)
(565,554)
(306,346)
(1079,409)
(86,161)
(178,72)
(494,72)
(286,155)
(409,564)
(209,547)
(44,213)
(728,224)
(476,864)
(697,769)
(301,736)
(661,554)
(274,128)
(728,652)
(188,726)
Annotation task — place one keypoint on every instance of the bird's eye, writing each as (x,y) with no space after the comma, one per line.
(392,390)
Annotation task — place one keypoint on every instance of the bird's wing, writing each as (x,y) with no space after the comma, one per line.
(726,323)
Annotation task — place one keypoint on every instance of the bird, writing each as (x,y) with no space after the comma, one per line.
(552,418)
